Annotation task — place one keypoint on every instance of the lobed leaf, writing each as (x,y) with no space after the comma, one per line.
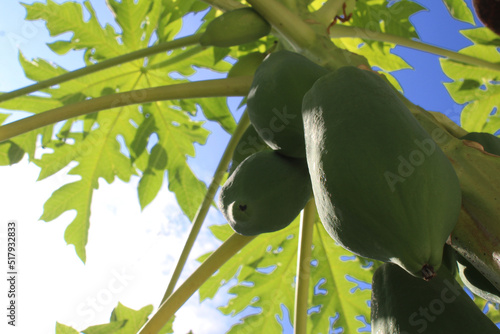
(477,88)
(265,271)
(459,10)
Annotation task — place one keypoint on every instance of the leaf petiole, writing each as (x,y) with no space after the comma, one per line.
(222,254)
(342,31)
(162,47)
(237,86)
(207,201)
(304,267)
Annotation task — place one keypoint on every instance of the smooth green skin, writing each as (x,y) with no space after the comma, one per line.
(403,304)
(378,193)
(275,100)
(490,143)
(249,144)
(265,193)
(235,27)
(246,65)
(476,282)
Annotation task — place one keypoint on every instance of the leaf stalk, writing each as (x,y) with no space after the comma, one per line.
(304,267)
(237,86)
(342,31)
(207,201)
(162,47)
(228,249)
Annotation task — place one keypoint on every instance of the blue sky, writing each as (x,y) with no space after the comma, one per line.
(42,246)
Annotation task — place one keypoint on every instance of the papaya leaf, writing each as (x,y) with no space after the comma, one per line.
(459,10)
(477,88)
(112,327)
(378,15)
(10,153)
(114,143)
(63,329)
(342,286)
(135,319)
(384,16)
(125,320)
(266,272)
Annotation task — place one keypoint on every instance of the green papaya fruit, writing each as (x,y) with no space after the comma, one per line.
(265,193)
(489,142)
(403,304)
(235,27)
(275,100)
(249,144)
(383,188)
(247,64)
(476,282)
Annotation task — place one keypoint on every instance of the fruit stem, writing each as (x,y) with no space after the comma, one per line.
(237,86)
(207,201)
(327,12)
(304,267)
(228,249)
(287,23)
(340,31)
(161,47)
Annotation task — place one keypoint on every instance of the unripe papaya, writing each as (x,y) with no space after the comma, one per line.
(265,193)
(476,282)
(235,27)
(250,143)
(489,142)
(403,304)
(247,64)
(383,188)
(275,100)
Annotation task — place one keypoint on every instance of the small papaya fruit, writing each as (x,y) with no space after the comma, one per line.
(247,64)
(476,282)
(235,27)
(265,193)
(383,188)
(489,142)
(275,100)
(249,144)
(403,304)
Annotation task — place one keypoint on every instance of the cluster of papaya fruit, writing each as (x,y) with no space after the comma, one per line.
(383,188)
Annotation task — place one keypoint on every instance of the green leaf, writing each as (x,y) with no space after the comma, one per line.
(112,143)
(266,271)
(134,320)
(268,281)
(477,88)
(68,17)
(152,179)
(377,15)
(10,153)
(63,329)
(343,283)
(125,320)
(110,328)
(459,10)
